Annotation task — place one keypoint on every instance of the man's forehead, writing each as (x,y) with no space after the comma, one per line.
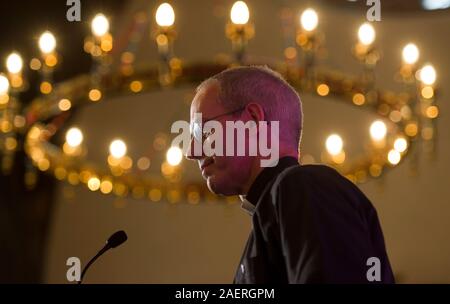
(206,101)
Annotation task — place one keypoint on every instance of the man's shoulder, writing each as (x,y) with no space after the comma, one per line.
(309,173)
(305,178)
(320,183)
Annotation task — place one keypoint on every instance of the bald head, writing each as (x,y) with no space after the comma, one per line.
(240,86)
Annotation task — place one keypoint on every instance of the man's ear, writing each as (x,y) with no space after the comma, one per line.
(255,111)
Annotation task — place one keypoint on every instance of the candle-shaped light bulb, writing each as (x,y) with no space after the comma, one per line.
(118,148)
(366,34)
(74,137)
(165,16)
(99,25)
(378,130)
(4,84)
(47,43)
(309,20)
(240,13)
(14,63)
(334,144)
(410,53)
(428,74)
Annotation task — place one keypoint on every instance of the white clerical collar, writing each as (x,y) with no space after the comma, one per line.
(246,205)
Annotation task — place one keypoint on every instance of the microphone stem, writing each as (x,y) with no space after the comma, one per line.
(102,251)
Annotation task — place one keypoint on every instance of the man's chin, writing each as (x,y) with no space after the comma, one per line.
(217,188)
(212,186)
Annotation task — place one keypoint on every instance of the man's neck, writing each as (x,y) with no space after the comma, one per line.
(257,169)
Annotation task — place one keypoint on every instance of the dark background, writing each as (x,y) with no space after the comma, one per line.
(24,215)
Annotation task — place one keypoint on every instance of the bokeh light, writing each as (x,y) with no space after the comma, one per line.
(309,20)
(74,137)
(334,144)
(165,16)
(118,148)
(366,34)
(174,156)
(240,13)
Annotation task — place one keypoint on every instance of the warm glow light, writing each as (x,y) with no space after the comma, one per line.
(93,184)
(290,52)
(378,130)
(43,164)
(375,170)
(394,157)
(323,89)
(106,186)
(136,86)
(427,133)
(74,137)
(432,112)
(117,148)
(46,87)
(143,163)
(239,13)
(99,25)
(309,20)
(60,173)
(10,143)
(359,99)
(427,92)
(14,63)
(95,95)
(410,53)
(35,64)
(47,42)
(400,144)
(366,34)
(51,60)
(4,98)
(64,104)
(174,156)
(338,158)
(4,84)
(126,163)
(165,16)
(334,144)
(19,121)
(411,129)
(106,44)
(428,74)
(154,195)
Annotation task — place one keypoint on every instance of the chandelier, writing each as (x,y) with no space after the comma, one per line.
(406,119)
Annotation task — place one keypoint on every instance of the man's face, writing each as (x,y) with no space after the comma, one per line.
(226,175)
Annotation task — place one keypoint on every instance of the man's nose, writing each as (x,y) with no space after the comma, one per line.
(190,153)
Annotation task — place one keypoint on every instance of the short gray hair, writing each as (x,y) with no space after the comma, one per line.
(241,85)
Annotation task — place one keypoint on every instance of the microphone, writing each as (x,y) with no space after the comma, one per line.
(117,239)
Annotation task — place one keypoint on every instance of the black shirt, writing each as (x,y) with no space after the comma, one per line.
(310,225)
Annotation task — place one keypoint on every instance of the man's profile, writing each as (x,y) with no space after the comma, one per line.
(310,224)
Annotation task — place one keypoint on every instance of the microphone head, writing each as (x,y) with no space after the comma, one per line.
(117,239)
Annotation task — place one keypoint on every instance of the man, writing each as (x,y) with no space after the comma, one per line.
(310,224)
